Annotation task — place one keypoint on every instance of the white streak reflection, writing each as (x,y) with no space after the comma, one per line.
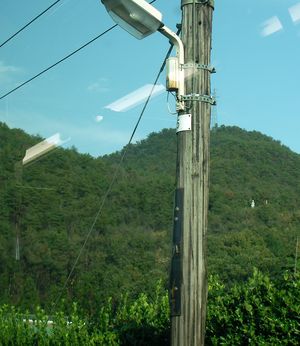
(43,148)
(135,98)
(271,26)
(295,13)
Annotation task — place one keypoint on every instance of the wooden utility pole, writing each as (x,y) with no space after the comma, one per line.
(296,256)
(188,279)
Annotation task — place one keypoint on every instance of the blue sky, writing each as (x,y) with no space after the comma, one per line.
(256,50)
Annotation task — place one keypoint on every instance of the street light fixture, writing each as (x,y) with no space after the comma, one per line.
(137,17)
(141,19)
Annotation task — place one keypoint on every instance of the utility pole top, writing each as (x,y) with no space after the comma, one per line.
(210,3)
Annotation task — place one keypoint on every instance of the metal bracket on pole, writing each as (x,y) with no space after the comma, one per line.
(176,266)
(200,98)
(210,3)
(209,68)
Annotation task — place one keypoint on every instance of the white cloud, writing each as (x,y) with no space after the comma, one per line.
(87,138)
(7,68)
(6,71)
(100,86)
(135,98)
(271,26)
(97,134)
(99,118)
(295,13)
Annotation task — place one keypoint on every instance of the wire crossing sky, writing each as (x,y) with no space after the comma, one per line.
(29,23)
(58,62)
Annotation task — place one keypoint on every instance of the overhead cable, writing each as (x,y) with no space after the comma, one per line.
(58,62)
(29,23)
(114,177)
(61,60)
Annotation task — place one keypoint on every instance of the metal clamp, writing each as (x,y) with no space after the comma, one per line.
(209,68)
(176,263)
(200,98)
(210,3)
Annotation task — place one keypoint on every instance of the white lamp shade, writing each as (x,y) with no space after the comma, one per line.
(137,17)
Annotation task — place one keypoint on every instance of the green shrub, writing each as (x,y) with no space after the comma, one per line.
(258,312)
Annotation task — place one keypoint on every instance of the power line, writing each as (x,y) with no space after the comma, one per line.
(61,60)
(113,180)
(58,62)
(33,20)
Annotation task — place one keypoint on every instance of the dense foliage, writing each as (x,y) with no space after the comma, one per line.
(51,205)
(259,312)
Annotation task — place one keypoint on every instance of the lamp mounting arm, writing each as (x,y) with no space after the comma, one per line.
(176,41)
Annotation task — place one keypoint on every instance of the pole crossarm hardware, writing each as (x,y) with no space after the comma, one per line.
(210,3)
(200,98)
(209,68)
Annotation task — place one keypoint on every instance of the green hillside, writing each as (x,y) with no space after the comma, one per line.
(52,205)
(249,166)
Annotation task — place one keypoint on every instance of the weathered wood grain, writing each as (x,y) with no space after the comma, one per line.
(193,178)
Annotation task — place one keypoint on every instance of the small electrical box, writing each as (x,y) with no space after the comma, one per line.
(172,69)
(184,123)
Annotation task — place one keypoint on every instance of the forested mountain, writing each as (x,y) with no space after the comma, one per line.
(51,206)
